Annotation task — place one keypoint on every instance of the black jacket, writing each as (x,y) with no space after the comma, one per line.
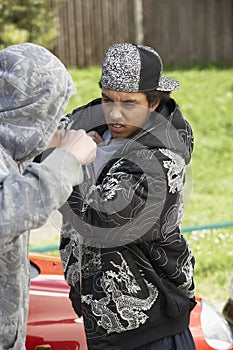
(121,245)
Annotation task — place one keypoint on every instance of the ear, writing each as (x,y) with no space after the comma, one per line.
(154,105)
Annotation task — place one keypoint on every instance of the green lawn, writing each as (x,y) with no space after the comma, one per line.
(206,100)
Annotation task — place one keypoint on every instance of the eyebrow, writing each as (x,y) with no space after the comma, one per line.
(132,100)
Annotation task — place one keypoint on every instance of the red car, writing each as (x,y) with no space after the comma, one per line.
(52,323)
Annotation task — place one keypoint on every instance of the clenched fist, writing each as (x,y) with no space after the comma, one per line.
(79,144)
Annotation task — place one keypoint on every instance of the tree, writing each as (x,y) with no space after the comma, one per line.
(28,21)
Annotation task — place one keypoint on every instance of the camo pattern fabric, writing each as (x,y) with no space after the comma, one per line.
(34,90)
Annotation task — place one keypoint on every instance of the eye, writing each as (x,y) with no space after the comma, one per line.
(129,105)
(105,99)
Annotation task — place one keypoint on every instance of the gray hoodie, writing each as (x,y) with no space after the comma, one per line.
(34,90)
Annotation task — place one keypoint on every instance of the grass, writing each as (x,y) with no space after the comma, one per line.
(213,251)
(206,100)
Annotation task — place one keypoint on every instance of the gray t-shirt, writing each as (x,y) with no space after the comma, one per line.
(105,152)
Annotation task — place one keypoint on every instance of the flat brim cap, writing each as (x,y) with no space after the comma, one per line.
(134,68)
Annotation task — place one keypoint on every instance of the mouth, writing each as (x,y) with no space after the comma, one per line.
(116,127)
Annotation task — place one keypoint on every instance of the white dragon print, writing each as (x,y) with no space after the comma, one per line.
(129,308)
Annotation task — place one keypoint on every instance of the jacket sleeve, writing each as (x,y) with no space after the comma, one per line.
(170,254)
(27,199)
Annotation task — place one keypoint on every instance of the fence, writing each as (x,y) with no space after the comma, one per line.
(88,27)
(191,30)
(181,30)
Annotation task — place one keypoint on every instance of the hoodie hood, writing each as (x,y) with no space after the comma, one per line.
(168,129)
(35,88)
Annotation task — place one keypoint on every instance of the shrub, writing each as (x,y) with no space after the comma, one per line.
(28,21)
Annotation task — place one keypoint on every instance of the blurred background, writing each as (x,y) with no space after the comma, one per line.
(80,31)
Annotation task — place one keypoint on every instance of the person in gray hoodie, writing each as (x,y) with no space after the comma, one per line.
(35,88)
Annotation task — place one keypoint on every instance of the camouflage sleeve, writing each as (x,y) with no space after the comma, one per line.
(27,199)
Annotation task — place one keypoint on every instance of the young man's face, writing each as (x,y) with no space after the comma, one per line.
(125,112)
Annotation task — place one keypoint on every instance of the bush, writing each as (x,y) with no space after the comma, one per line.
(28,21)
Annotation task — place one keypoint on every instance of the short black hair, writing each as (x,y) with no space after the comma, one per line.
(155,96)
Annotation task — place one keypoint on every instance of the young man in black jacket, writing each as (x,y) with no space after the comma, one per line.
(129,267)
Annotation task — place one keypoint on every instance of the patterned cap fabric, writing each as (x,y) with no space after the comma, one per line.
(134,68)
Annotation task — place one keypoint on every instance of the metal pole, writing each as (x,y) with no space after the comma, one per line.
(138,20)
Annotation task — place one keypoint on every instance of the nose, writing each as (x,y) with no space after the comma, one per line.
(115,113)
